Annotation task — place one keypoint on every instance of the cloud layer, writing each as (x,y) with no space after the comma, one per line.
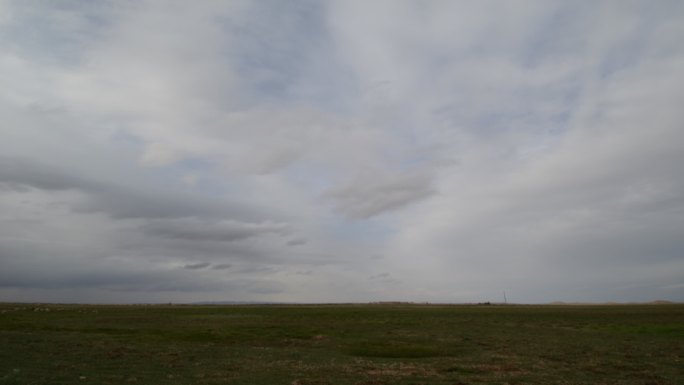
(341,151)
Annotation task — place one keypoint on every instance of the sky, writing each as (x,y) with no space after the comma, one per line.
(341,151)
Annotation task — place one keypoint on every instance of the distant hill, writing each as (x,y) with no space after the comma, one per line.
(656,302)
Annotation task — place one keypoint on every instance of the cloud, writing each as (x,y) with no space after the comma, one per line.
(597,208)
(117,201)
(197,266)
(71,268)
(22,173)
(297,242)
(476,146)
(224,231)
(372,194)
(379,276)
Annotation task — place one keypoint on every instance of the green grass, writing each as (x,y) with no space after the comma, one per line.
(341,344)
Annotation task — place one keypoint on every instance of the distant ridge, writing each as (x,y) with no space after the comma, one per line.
(236,303)
(656,302)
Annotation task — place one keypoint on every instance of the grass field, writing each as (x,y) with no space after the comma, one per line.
(341,344)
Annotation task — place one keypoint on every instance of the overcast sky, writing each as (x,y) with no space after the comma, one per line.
(327,151)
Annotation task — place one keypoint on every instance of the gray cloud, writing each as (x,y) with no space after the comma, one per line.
(372,194)
(379,276)
(223,231)
(297,242)
(69,271)
(17,173)
(119,202)
(265,288)
(197,266)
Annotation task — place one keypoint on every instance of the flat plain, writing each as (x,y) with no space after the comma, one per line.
(341,344)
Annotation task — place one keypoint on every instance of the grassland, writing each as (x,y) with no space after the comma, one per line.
(341,344)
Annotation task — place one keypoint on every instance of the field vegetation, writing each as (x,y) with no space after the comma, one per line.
(341,344)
